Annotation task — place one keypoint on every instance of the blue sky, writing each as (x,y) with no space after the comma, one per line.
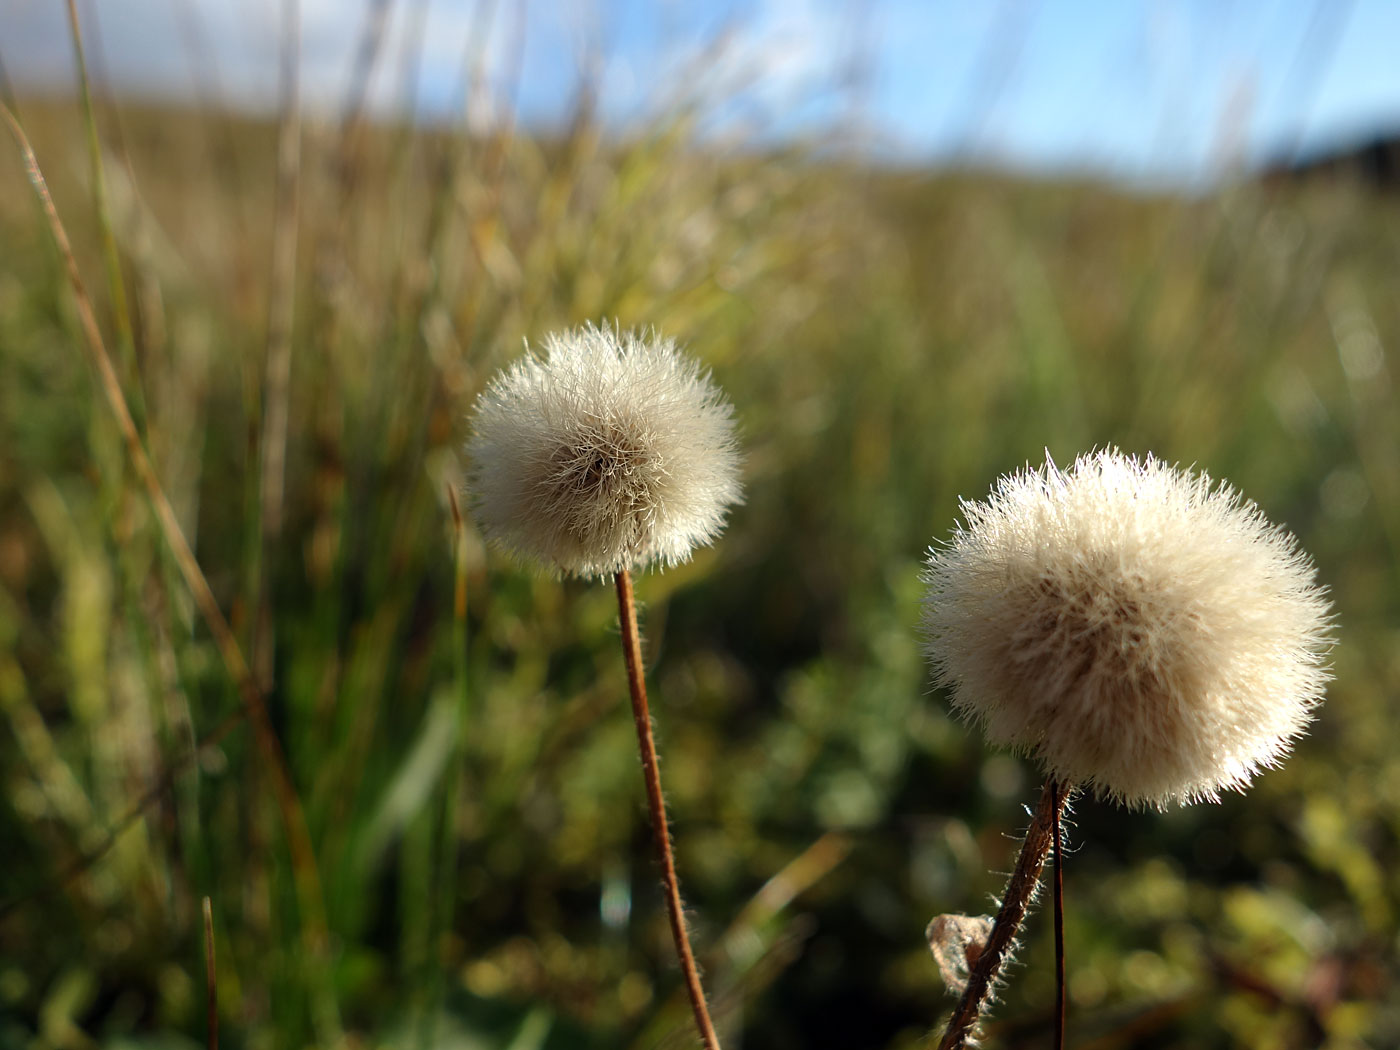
(1143,90)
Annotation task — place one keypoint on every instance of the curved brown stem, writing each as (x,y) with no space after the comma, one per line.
(1020,890)
(632,651)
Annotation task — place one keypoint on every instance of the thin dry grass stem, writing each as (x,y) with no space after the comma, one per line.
(408,69)
(303,855)
(459,533)
(1020,891)
(348,165)
(751,944)
(796,877)
(281,310)
(222,151)
(448,832)
(503,133)
(121,314)
(146,355)
(352,124)
(632,652)
(445,198)
(211,982)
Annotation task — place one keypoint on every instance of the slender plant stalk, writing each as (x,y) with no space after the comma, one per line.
(281,314)
(443,910)
(211,983)
(303,855)
(1059,909)
(1020,890)
(121,313)
(632,652)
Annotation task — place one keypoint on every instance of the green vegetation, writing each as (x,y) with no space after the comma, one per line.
(468,774)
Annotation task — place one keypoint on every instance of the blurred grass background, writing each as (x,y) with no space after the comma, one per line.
(891,340)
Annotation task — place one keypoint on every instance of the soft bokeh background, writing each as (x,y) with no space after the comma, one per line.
(919,246)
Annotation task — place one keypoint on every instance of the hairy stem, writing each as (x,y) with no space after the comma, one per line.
(632,651)
(1059,909)
(1020,890)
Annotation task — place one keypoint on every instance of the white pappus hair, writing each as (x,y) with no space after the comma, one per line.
(610,451)
(1140,630)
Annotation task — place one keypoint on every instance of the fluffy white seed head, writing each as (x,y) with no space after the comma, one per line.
(1139,630)
(611,451)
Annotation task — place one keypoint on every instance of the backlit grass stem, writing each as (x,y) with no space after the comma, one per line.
(111,258)
(281,314)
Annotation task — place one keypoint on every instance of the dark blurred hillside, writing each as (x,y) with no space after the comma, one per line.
(1374,162)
